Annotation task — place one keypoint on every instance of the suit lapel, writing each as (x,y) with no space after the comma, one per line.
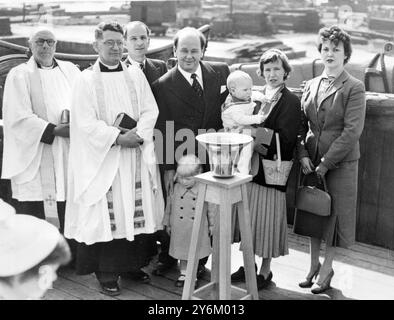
(211,86)
(183,90)
(151,71)
(314,89)
(336,85)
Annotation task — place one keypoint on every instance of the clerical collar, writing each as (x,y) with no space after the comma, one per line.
(54,65)
(132,61)
(107,68)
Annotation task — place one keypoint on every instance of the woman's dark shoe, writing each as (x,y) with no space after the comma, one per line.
(239,275)
(110,288)
(324,285)
(262,282)
(308,282)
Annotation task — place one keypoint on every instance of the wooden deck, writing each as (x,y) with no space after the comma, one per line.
(365,272)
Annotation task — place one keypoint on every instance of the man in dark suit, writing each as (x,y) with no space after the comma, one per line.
(189,96)
(137,36)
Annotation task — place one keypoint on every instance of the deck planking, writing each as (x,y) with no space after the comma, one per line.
(362,272)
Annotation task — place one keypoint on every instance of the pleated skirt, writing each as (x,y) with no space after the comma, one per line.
(267,208)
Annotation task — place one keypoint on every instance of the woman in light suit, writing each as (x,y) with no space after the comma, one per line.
(333,106)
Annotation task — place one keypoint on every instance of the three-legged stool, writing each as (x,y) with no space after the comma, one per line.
(224,192)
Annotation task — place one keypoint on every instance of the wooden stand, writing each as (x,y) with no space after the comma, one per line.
(225,193)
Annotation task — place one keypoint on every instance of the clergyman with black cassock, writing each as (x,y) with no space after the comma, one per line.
(114,188)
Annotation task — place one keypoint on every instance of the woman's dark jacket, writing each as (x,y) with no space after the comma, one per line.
(285,118)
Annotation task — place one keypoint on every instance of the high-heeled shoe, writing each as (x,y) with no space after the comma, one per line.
(324,285)
(308,282)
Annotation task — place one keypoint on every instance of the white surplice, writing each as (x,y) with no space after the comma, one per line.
(96,164)
(23,128)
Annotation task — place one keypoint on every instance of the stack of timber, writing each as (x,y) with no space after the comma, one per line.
(251,22)
(5,29)
(253,51)
(384,25)
(297,20)
(221,27)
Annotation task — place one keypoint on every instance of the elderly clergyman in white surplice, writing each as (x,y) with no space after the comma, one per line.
(36,143)
(115,191)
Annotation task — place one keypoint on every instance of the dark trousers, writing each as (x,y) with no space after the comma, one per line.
(108,260)
(164,239)
(36,209)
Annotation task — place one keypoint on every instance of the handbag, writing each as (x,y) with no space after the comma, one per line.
(276,172)
(314,200)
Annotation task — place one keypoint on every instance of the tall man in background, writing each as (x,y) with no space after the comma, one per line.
(137,36)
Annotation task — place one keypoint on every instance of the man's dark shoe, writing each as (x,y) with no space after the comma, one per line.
(262,282)
(110,288)
(239,275)
(138,275)
(162,268)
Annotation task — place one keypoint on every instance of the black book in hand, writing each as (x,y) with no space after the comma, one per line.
(123,120)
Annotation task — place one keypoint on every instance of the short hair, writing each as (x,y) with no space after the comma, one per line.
(134,23)
(40,29)
(335,34)
(104,26)
(188,165)
(235,76)
(60,255)
(273,55)
(191,30)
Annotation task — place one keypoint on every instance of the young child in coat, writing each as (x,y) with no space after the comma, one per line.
(237,112)
(179,215)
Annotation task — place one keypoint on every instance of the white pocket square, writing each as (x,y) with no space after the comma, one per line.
(222,89)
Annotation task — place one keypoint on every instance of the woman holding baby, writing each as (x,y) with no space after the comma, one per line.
(267,203)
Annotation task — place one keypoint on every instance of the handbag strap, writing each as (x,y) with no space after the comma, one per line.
(278,150)
(302,180)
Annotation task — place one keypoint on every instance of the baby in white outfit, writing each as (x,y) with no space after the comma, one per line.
(237,112)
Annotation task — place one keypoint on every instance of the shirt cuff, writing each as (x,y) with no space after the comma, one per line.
(48,135)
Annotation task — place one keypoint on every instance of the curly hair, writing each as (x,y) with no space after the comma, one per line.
(104,26)
(335,34)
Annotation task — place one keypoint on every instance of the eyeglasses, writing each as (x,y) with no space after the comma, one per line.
(50,42)
(111,43)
